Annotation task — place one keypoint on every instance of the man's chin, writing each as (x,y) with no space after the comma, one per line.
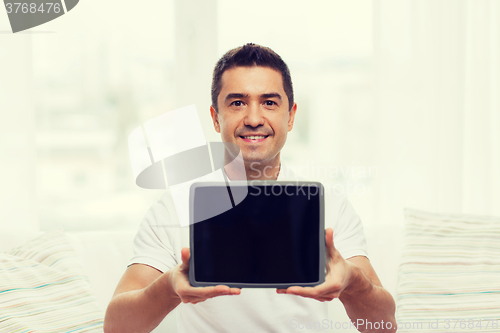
(256,161)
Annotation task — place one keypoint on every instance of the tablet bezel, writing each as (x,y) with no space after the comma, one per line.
(321,235)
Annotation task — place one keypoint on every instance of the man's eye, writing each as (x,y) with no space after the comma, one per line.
(270,103)
(237,103)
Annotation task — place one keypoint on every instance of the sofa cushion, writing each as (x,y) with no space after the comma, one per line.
(449,277)
(104,255)
(44,288)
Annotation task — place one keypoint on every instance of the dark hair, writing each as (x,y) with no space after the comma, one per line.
(250,55)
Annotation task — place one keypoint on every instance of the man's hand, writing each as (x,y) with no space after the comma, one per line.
(144,296)
(190,294)
(356,284)
(338,272)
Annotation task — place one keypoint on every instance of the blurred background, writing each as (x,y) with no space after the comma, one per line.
(398,102)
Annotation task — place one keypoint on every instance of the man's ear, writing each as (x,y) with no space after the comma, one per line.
(215,118)
(291,116)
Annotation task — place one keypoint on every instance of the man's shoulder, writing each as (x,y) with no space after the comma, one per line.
(162,211)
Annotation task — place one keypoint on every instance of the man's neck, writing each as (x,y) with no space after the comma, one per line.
(259,171)
(253,170)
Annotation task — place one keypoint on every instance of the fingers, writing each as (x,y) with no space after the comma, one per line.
(234,291)
(303,291)
(330,248)
(321,293)
(189,294)
(327,291)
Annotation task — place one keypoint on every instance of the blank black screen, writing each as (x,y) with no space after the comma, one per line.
(270,237)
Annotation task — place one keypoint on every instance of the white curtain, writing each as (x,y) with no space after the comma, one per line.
(17,133)
(437,86)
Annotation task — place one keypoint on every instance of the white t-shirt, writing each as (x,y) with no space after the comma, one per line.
(160,239)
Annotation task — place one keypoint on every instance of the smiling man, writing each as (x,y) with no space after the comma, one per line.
(253,107)
(250,108)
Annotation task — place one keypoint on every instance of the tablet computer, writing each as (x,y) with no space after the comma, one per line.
(271,237)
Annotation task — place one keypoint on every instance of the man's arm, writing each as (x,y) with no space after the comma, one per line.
(356,284)
(366,302)
(144,296)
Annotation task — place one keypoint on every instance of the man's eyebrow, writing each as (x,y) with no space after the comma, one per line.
(236,95)
(271,95)
(240,95)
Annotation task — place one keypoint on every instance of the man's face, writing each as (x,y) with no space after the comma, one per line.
(254,113)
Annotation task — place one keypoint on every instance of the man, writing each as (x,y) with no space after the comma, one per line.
(253,107)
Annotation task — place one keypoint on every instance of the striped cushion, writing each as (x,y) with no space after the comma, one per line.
(449,277)
(44,289)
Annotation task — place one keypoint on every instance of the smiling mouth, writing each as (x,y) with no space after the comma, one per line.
(254,137)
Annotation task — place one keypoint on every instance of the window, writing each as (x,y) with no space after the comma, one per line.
(95,80)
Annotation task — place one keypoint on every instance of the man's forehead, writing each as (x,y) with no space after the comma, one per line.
(242,77)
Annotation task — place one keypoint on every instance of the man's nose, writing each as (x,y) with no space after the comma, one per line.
(254,116)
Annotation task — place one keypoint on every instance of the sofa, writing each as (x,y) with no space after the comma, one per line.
(103,256)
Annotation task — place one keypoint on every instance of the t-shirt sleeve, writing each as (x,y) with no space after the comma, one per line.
(152,243)
(348,235)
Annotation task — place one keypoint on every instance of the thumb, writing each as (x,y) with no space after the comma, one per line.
(330,248)
(185,255)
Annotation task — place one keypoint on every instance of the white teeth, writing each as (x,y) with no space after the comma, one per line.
(254,137)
